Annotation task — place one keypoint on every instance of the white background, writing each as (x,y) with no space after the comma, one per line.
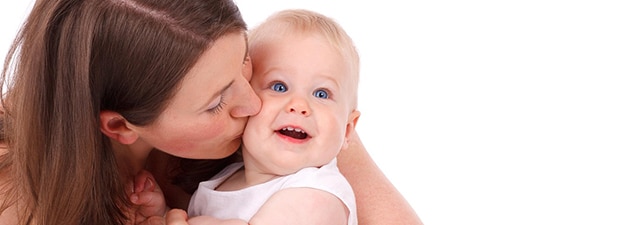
(484,112)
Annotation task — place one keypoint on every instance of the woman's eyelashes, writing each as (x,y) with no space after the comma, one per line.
(216,108)
(279,86)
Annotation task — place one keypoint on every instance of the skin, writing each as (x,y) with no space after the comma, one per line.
(378,200)
(312,97)
(205,119)
(311,92)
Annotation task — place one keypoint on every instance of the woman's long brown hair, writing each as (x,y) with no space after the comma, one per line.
(73,59)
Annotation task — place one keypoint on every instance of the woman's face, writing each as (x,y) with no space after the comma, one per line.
(206,117)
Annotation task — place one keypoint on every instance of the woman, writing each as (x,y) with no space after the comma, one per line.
(97,85)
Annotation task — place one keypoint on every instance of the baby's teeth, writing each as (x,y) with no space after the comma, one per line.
(293,129)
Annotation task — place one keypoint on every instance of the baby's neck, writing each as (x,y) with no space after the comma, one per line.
(245,178)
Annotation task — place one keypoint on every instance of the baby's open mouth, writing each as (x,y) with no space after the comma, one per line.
(293,133)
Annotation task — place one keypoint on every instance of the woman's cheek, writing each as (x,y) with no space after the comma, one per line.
(199,136)
(213,130)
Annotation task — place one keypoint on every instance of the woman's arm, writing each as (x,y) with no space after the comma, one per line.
(377,200)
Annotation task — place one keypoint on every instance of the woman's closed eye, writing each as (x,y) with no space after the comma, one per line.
(216,105)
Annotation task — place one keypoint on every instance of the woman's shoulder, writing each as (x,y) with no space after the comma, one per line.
(8,216)
(4,149)
(8,211)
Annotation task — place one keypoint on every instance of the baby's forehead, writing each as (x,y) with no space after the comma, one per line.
(349,78)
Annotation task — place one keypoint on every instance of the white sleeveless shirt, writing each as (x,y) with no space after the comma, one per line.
(244,203)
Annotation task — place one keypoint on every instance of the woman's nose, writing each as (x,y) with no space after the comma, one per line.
(248,103)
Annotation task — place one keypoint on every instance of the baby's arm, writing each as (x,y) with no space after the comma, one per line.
(302,206)
(208,220)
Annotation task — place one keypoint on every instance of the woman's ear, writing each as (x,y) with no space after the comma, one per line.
(115,126)
(351,127)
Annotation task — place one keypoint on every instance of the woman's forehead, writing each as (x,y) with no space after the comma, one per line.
(215,70)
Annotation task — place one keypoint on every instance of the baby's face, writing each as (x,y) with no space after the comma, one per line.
(304,85)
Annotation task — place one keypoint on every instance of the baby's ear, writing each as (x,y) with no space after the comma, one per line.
(351,127)
(247,68)
(115,126)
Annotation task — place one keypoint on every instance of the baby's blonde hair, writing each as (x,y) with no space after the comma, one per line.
(301,21)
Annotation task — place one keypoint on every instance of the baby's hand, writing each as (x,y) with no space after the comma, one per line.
(174,217)
(147,198)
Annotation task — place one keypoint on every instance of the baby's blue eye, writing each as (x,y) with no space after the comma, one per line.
(321,94)
(279,87)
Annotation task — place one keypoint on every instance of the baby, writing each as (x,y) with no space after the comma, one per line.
(305,71)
